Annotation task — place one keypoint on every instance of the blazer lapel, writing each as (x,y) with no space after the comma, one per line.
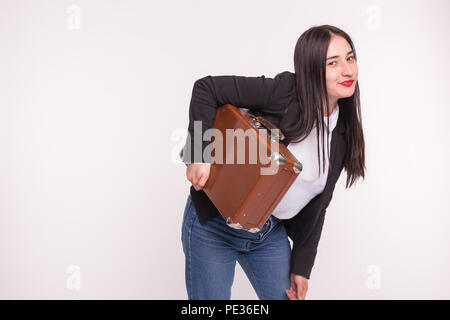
(337,148)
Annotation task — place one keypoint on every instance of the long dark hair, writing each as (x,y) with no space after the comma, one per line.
(310,74)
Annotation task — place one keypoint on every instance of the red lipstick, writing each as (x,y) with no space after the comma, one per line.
(347,83)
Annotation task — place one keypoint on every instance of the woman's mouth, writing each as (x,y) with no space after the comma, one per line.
(347,83)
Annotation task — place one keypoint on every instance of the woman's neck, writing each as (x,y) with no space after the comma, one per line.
(333,104)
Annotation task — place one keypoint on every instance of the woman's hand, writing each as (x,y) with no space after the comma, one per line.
(198,173)
(299,286)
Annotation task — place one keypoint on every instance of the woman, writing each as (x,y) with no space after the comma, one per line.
(322,95)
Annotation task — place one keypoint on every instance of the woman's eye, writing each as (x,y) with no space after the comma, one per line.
(353,58)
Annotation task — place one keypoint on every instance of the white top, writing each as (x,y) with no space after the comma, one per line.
(309,182)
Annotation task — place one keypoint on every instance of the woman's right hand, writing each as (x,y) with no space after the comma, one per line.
(198,173)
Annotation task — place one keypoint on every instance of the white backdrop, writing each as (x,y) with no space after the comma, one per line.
(94,99)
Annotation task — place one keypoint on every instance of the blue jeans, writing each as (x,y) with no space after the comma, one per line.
(212,249)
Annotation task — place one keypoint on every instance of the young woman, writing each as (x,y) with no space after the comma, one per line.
(317,108)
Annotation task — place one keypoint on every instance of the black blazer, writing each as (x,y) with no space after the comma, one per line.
(276,100)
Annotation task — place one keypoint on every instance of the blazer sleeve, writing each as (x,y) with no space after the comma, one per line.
(305,230)
(210,92)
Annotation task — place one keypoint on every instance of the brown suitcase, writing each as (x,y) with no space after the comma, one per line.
(243,195)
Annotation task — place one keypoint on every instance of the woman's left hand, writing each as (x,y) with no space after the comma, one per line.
(299,286)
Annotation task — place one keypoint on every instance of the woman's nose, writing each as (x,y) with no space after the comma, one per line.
(347,70)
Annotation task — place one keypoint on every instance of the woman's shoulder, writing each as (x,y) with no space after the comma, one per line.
(286,89)
(286,80)
(286,76)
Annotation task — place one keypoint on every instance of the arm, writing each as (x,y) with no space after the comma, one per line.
(304,248)
(305,230)
(209,93)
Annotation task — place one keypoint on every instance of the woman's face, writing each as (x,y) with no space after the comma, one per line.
(341,66)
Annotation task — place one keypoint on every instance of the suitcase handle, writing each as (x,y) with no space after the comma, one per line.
(257,122)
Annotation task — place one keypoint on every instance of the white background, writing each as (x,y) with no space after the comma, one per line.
(94,99)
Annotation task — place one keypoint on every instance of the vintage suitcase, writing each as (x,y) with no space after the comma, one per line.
(245,196)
